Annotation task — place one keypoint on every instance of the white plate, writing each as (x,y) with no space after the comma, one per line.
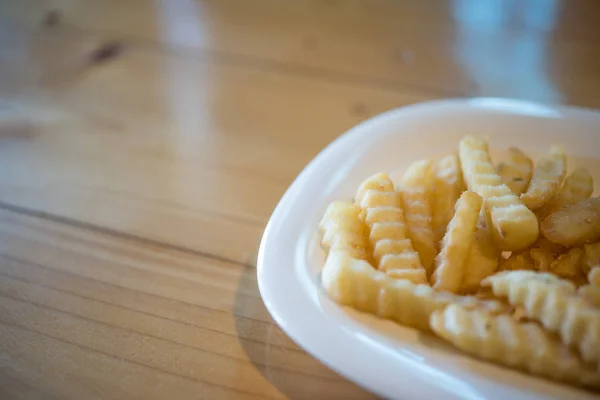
(388,359)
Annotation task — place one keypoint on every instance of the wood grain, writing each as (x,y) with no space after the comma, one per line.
(79,304)
(144,145)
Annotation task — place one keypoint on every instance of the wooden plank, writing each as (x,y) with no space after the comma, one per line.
(113,314)
(451,47)
(168,147)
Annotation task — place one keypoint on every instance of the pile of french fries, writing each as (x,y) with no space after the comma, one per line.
(501,261)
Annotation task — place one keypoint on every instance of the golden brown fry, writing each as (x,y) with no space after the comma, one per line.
(450,263)
(416,187)
(516,172)
(483,258)
(517,261)
(577,187)
(503,340)
(448,186)
(383,214)
(356,284)
(570,266)
(552,301)
(547,177)
(515,226)
(550,248)
(574,225)
(591,258)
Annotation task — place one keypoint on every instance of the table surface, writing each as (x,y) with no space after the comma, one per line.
(144,144)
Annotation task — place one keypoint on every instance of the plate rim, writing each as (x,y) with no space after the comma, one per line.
(278,310)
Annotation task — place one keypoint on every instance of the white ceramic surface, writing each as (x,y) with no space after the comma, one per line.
(388,359)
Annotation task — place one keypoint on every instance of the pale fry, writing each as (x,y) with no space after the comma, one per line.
(552,301)
(356,284)
(547,177)
(388,234)
(577,187)
(516,172)
(343,230)
(448,186)
(483,258)
(503,340)
(450,263)
(379,182)
(416,192)
(574,225)
(515,226)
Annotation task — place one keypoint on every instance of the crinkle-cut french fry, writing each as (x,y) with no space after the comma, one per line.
(416,192)
(451,262)
(578,186)
(590,294)
(552,301)
(594,276)
(592,257)
(343,230)
(516,171)
(515,226)
(379,183)
(388,233)
(339,210)
(416,276)
(356,284)
(447,187)
(547,177)
(501,339)
(483,258)
(570,266)
(574,225)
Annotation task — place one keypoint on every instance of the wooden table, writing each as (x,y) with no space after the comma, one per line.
(144,144)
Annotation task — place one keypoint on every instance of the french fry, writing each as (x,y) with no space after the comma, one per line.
(591,258)
(577,187)
(448,186)
(388,234)
(416,197)
(594,276)
(343,230)
(515,226)
(550,248)
(570,266)
(517,261)
(547,177)
(590,294)
(483,258)
(450,263)
(574,225)
(516,172)
(356,284)
(552,302)
(538,257)
(503,340)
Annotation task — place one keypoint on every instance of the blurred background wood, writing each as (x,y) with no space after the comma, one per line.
(144,144)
